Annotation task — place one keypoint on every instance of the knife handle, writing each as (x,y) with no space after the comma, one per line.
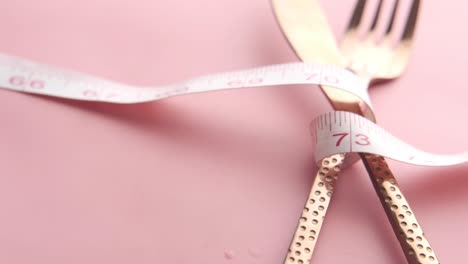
(308,229)
(407,229)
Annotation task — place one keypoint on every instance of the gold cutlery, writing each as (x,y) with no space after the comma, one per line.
(308,33)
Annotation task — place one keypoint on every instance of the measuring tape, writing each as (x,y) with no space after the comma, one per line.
(345,132)
(27,76)
(334,132)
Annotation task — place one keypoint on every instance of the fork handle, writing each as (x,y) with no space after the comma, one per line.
(309,226)
(407,229)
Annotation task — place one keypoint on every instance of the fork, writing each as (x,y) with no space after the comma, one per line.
(374,60)
(371,61)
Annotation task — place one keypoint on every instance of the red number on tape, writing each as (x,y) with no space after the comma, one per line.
(343,135)
(363,140)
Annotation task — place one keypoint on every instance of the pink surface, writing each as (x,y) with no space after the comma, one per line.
(210,178)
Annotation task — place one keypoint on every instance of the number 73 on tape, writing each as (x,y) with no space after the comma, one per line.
(345,132)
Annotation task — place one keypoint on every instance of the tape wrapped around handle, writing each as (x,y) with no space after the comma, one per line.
(345,132)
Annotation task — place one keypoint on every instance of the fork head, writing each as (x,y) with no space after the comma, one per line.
(373,57)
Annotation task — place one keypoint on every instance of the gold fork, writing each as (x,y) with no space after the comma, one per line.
(371,61)
(374,60)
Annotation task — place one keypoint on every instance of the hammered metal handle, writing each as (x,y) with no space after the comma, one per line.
(407,229)
(309,226)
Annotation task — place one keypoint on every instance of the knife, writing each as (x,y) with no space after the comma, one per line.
(305,26)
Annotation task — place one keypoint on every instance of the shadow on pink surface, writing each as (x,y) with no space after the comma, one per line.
(171,121)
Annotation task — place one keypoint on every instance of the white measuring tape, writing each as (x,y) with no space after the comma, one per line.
(335,132)
(26,76)
(345,132)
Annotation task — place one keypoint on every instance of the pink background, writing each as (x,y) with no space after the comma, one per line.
(218,177)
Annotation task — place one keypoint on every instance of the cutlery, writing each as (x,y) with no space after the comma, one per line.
(306,29)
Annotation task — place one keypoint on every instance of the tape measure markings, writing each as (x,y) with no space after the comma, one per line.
(333,133)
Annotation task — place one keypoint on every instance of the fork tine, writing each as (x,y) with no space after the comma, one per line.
(350,37)
(372,35)
(392,18)
(376,17)
(357,16)
(403,48)
(410,26)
